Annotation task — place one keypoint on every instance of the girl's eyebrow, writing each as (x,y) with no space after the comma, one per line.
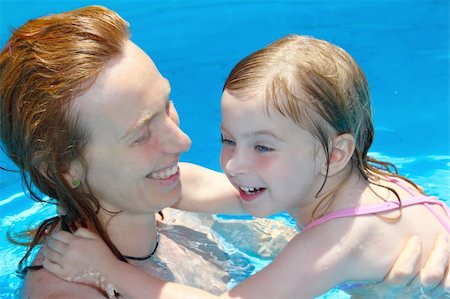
(256,134)
(261,132)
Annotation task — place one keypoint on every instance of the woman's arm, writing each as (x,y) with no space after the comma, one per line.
(433,279)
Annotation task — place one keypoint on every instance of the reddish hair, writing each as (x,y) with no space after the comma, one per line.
(45,64)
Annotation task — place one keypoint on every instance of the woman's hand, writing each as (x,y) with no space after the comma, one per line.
(432,281)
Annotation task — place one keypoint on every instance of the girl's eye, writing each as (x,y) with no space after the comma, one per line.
(226,141)
(263,149)
(143,139)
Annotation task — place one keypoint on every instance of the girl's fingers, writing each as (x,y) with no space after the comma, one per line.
(51,255)
(55,268)
(85,233)
(407,265)
(62,236)
(55,245)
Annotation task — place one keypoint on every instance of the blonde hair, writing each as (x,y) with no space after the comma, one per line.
(321,88)
(45,64)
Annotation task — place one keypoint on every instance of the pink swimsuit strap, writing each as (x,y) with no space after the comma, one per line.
(416,199)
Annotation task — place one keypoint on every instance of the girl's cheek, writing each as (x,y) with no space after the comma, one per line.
(263,163)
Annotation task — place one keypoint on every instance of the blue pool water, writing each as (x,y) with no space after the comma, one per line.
(403,47)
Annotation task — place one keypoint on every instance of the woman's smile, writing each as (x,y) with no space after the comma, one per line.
(166,176)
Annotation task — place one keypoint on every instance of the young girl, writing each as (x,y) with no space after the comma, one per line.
(296,130)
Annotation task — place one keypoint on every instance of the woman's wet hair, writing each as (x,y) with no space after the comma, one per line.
(44,66)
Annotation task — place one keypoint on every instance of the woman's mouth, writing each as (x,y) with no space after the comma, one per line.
(167,175)
(250,193)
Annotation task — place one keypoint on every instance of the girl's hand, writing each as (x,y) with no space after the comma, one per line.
(79,257)
(432,281)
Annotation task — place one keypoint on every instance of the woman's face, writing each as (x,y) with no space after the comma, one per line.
(134,136)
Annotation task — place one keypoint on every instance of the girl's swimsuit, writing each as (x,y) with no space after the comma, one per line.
(415,199)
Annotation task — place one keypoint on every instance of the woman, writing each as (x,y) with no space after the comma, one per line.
(86,117)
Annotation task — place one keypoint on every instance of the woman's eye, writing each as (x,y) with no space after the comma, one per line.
(263,149)
(226,141)
(143,139)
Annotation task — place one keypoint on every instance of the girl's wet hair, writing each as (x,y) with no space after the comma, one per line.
(321,88)
(45,64)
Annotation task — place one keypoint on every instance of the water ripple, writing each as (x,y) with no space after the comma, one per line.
(11,198)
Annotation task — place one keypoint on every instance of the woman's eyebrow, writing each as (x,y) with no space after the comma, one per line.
(143,120)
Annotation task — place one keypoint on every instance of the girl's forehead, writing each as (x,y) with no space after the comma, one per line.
(251,115)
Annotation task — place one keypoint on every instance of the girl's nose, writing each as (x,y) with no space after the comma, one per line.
(237,164)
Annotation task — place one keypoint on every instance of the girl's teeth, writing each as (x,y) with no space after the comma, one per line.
(249,189)
(164,174)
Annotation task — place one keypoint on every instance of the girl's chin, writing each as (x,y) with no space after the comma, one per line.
(258,213)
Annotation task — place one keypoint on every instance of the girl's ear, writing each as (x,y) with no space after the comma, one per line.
(342,149)
(74,175)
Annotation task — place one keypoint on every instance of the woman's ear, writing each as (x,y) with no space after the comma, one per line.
(342,149)
(74,175)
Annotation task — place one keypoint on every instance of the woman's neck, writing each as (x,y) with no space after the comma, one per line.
(133,235)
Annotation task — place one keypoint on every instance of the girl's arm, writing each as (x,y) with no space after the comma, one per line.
(84,258)
(81,256)
(43,284)
(207,191)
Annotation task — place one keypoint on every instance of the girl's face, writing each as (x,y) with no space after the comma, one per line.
(273,162)
(134,136)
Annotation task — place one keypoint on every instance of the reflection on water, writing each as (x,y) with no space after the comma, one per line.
(431,172)
(201,244)
(188,256)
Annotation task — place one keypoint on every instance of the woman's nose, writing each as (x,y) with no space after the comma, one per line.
(176,141)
